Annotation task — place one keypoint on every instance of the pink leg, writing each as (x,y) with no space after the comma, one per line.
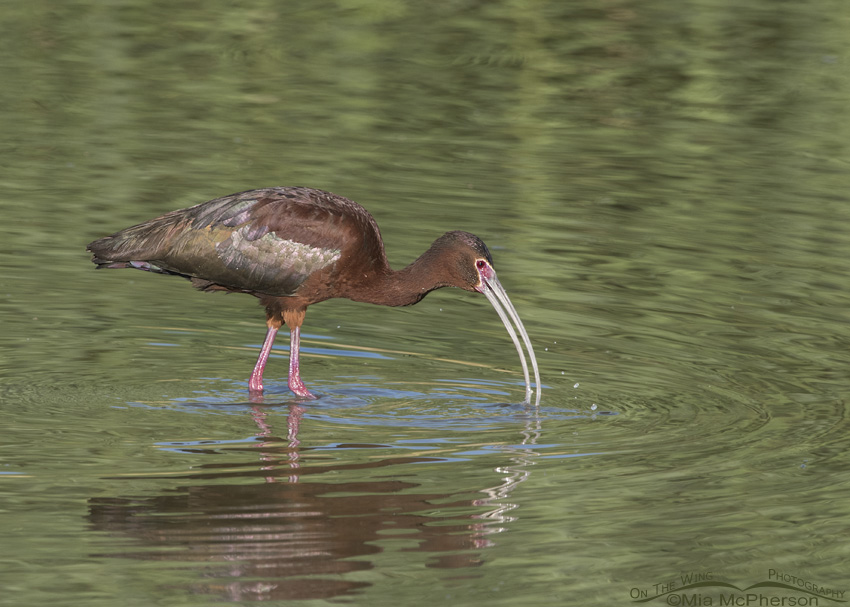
(295,383)
(255,384)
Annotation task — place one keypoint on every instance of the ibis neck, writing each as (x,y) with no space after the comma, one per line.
(403,287)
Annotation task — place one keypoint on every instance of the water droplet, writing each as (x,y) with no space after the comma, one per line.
(593,407)
(575,385)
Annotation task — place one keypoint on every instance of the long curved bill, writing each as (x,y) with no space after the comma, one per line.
(495,293)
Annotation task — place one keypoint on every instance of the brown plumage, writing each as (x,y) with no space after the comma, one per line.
(292,247)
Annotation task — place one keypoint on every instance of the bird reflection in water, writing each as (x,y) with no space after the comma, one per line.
(293,423)
(296,535)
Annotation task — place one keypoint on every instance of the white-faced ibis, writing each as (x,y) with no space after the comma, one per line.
(292,247)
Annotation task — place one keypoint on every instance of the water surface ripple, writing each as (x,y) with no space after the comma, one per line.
(663,186)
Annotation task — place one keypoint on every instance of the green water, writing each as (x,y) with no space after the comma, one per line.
(664,187)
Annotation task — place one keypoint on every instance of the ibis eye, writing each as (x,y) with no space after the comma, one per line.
(480,264)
